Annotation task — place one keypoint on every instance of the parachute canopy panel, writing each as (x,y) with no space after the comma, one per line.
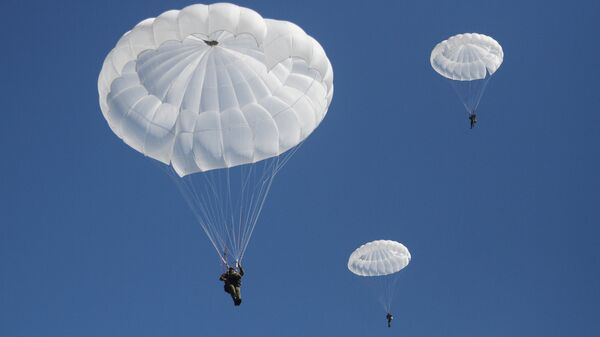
(467,57)
(379,258)
(214,86)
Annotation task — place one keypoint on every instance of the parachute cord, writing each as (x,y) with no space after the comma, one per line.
(230,219)
(205,203)
(199,201)
(272,168)
(385,290)
(215,180)
(211,197)
(257,207)
(184,189)
(244,179)
(247,194)
(251,196)
(224,259)
(480,95)
(391,290)
(470,92)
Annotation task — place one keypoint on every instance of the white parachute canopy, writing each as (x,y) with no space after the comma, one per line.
(379,258)
(468,60)
(224,97)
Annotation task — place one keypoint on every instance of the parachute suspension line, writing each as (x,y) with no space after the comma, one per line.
(391,290)
(256,203)
(387,289)
(193,200)
(480,94)
(230,219)
(210,186)
(470,92)
(208,200)
(223,195)
(273,166)
(247,196)
(284,158)
(227,202)
(245,179)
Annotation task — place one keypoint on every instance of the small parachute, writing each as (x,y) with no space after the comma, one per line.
(380,260)
(223,98)
(468,61)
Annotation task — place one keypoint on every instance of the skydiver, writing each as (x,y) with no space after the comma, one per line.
(473,119)
(389,318)
(233,282)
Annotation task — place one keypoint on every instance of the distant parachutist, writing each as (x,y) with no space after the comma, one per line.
(468,61)
(473,119)
(382,260)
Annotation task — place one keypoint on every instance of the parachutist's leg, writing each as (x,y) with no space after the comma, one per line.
(238,293)
(230,289)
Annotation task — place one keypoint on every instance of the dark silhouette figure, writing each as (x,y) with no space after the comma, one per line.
(211,43)
(389,318)
(473,119)
(233,282)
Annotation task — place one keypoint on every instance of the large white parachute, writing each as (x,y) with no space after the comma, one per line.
(380,260)
(467,57)
(260,90)
(224,97)
(468,61)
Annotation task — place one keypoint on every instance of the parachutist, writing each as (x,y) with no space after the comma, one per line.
(226,197)
(389,318)
(211,43)
(468,75)
(233,282)
(473,119)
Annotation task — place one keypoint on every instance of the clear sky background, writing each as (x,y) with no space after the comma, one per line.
(502,221)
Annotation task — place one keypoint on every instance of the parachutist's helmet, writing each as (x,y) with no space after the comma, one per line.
(231,269)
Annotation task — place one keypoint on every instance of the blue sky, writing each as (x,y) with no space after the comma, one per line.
(502,221)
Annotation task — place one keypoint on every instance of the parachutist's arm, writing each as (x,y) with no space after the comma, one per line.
(241,269)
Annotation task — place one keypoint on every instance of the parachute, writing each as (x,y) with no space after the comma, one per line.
(468,61)
(380,260)
(223,97)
